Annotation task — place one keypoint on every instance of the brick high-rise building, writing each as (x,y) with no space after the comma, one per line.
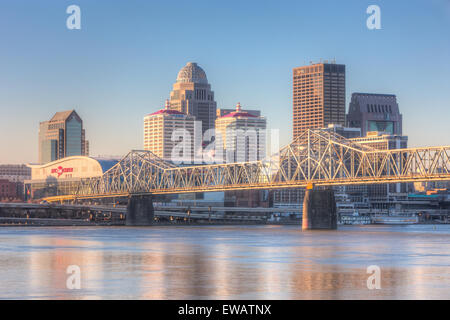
(319,96)
(8,189)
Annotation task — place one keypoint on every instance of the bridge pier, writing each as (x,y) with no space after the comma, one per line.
(140,211)
(319,210)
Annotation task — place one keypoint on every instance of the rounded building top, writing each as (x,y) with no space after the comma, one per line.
(191,72)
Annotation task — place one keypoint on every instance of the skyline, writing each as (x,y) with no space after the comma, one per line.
(113,74)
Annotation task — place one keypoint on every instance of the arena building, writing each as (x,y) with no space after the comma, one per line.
(61,177)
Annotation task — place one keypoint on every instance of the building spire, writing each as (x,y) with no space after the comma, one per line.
(238,107)
(167,107)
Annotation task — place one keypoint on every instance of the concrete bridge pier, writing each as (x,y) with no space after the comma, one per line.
(140,211)
(319,210)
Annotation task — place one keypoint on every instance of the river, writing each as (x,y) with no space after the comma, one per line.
(225,262)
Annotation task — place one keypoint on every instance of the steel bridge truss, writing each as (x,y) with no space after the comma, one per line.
(317,157)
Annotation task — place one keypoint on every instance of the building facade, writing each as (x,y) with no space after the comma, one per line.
(383,141)
(375,112)
(318,96)
(8,190)
(192,95)
(62,176)
(15,172)
(62,136)
(163,132)
(380,196)
(243,136)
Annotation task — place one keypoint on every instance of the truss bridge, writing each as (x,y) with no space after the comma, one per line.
(318,157)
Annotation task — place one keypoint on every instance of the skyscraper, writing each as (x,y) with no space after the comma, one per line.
(318,96)
(61,137)
(375,112)
(159,128)
(243,135)
(192,95)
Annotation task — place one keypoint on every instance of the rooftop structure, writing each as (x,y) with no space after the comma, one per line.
(192,95)
(375,112)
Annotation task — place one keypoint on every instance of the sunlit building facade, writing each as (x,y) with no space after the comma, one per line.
(380,195)
(62,136)
(243,136)
(318,96)
(167,128)
(62,176)
(375,112)
(192,95)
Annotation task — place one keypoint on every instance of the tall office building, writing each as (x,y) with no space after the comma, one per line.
(61,137)
(192,95)
(243,135)
(375,112)
(319,96)
(159,128)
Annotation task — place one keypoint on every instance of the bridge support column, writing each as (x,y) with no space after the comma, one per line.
(319,210)
(140,211)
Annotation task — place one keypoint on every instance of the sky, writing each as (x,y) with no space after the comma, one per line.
(122,63)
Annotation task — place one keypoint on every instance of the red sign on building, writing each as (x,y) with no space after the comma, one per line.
(60,170)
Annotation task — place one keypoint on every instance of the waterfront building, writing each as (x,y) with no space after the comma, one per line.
(8,189)
(292,197)
(62,176)
(318,96)
(15,172)
(159,128)
(380,196)
(62,136)
(375,112)
(243,136)
(192,95)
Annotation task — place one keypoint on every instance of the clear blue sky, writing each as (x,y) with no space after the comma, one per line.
(121,65)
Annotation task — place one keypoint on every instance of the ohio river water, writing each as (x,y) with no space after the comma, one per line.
(225,262)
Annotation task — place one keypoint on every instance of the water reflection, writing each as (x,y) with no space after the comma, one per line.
(260,262)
